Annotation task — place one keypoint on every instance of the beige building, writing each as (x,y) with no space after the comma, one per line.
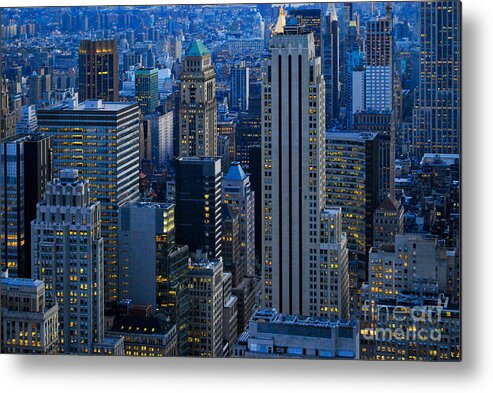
(293,175)
(28,324)
(198,113)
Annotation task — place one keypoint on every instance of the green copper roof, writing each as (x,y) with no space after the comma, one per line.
(197,49)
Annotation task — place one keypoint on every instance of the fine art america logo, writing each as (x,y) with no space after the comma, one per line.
(402,323)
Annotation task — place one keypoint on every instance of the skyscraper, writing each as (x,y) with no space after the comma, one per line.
(98,70)
(238,194)
(146,89)
(68,257)
(206,307)
(333,274)
(310,20)
(28,123)
(240,87)
(26,168)
(379,65)
(293,174)
(141,225)
(437,114)
(198,117)
(198,204)
(101,140)
(330,58)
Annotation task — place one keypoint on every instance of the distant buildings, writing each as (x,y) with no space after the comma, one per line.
(274,335)
(28,324)
(98,70)
(198,114)
(100,140)
(240,87)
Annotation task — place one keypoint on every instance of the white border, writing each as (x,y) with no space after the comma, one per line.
(83,374)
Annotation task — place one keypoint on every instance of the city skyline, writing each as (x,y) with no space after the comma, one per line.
(260,178)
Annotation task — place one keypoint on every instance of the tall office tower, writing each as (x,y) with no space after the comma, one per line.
(98,70)
(161,130)
(146,89)
(28,324)
(145,141)
(101,140)
(437,113)
(330,57)
(352,75)
(293,173)
(230,315)
(231,244)
(379,65)
(222,147)
(228,128)
(388,222)
(310,20)
(238,194)
(67,247)
(385,124)
(142,226)
(198,204)
(248,136)
(24,173)
(198,117)
(177,48)
(8,118)
(352,184)
(347,16)
(333,274)
(28,123)
(206,307)
(153,269)
(240,87)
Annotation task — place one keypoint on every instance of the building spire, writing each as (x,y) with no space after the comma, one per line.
(332,12)
(281,22)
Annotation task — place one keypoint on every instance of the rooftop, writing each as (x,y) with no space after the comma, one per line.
(272,316)
(197,49)
(235,172)
(21,282)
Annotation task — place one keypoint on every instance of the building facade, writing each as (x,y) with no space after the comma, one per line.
(98,70)
(100,140)
(293,175)
(198,113)
(67,254)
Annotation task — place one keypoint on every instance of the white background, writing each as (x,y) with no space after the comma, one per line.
(85,374)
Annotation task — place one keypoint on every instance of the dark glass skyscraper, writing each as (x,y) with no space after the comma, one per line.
(198,204)
(330,66)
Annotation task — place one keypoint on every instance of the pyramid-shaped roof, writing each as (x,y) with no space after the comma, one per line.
(235,172)
(198,49)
